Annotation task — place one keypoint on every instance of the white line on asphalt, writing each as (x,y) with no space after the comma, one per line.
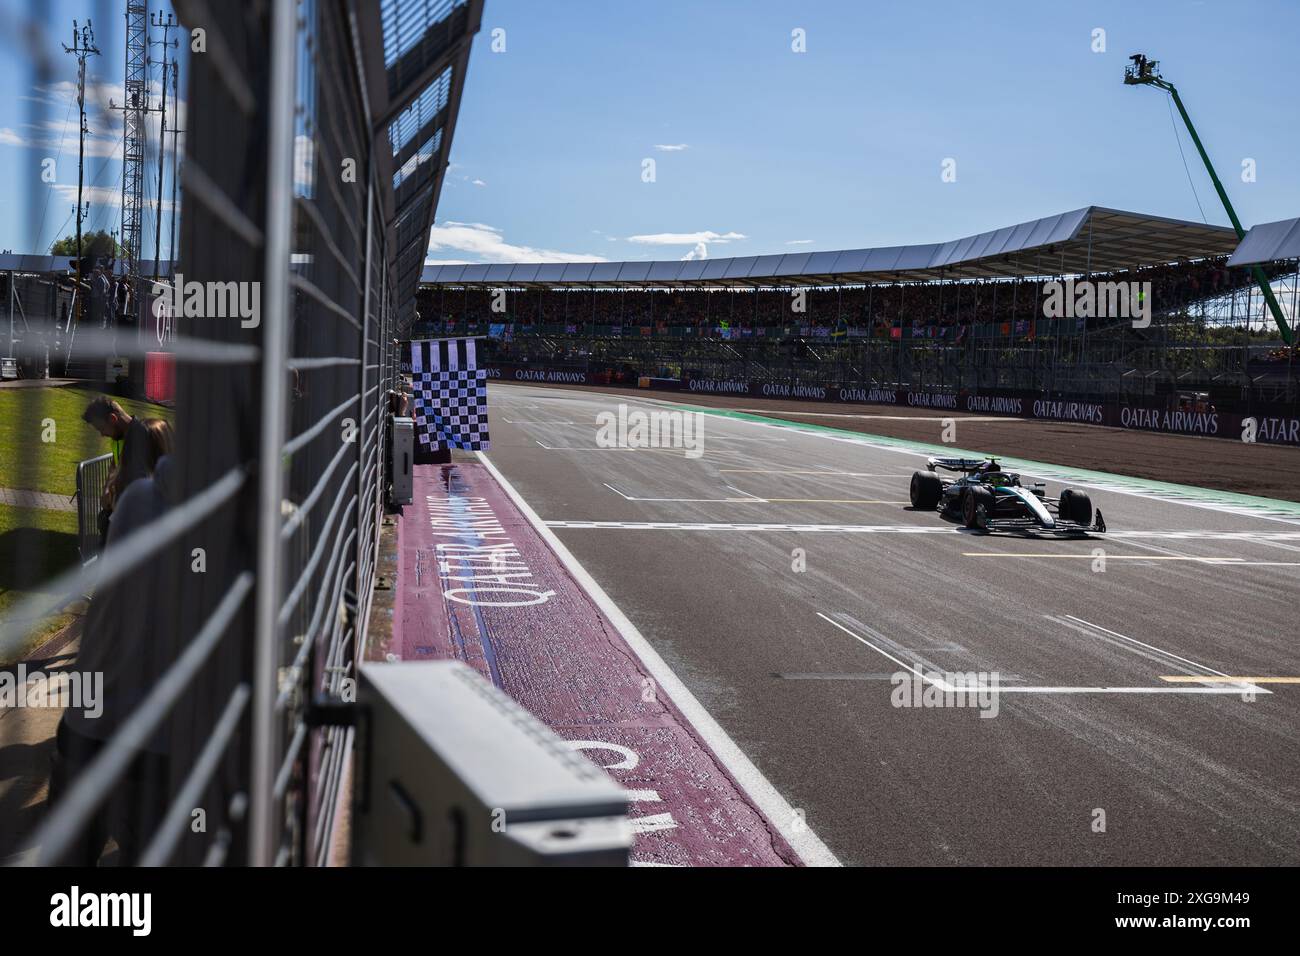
(750,779)
(746,500)
(1170,497)
(1235,690)
(936,681)
(1151,647)
(747,526)
(511,421)
(1261,536)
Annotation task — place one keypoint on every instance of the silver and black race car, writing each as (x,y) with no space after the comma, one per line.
(987,498)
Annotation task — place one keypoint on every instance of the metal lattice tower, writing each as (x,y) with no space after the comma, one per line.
(133,141)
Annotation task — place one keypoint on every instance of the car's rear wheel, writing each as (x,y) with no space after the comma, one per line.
(926,490)
(1076,506)
(977,507)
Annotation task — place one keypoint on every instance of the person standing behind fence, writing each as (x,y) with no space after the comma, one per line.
(101,311)
(122,299)
(126,641)
(130,440)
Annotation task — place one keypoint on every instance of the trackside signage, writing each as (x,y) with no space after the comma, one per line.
(562,375)
(1282,430)
(1069,411)
(725,387)
(1185,423)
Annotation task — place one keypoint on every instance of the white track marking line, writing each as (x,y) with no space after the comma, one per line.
(936,681)
(513,421)
(678,452)
(745,527)
(1221,507)
(1151,647)
(747,776)
(1260,536)
(823,474)
(1236,690)
(748,500)
(887,418)
(1190,559)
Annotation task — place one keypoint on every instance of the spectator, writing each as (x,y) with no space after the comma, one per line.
(124,640)
(122,299)
(130,441)
(160,440)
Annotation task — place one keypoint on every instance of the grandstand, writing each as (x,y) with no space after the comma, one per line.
(960,316)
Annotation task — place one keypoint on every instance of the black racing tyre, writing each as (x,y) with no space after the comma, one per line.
(926,490)
(1076,506)
(970,505)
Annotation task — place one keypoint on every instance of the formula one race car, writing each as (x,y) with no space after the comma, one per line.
(990,499)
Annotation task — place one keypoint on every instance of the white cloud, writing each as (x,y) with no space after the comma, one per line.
(488,245)
(57,128)
(479,182)
(686,238)
(699,240)
(799,242)
(98,195)
(671,148)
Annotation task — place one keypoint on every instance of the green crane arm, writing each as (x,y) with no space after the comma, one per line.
(1260,279)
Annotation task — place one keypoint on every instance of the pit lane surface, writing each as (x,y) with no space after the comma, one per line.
(1119,736)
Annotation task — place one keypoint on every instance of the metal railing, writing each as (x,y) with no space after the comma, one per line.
(246,599)
(92,476)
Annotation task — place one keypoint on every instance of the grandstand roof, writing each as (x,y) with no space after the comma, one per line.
(1092,239)
(1268,242)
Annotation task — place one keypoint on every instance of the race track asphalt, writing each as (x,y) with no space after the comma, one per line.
(790,635)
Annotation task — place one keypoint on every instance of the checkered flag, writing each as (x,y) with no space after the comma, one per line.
(450,395)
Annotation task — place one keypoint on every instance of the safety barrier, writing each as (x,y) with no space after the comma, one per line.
(92,476)
(243,603)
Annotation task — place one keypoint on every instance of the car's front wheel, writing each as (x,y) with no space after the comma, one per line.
(976,507)
(1075,505)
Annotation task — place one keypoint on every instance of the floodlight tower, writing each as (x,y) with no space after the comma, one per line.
(1146,72)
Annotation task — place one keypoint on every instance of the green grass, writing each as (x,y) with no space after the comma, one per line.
(35,545)
(29,462)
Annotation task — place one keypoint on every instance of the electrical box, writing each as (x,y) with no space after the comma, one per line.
(452,772)
(402,461)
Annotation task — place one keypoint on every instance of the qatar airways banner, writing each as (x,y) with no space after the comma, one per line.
(1264,428)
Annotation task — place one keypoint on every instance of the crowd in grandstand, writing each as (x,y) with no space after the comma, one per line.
(931,309)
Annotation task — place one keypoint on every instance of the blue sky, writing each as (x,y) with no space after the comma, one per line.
(841,146)
(39,122)
(773,151)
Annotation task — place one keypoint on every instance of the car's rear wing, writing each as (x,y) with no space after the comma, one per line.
(957,464)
